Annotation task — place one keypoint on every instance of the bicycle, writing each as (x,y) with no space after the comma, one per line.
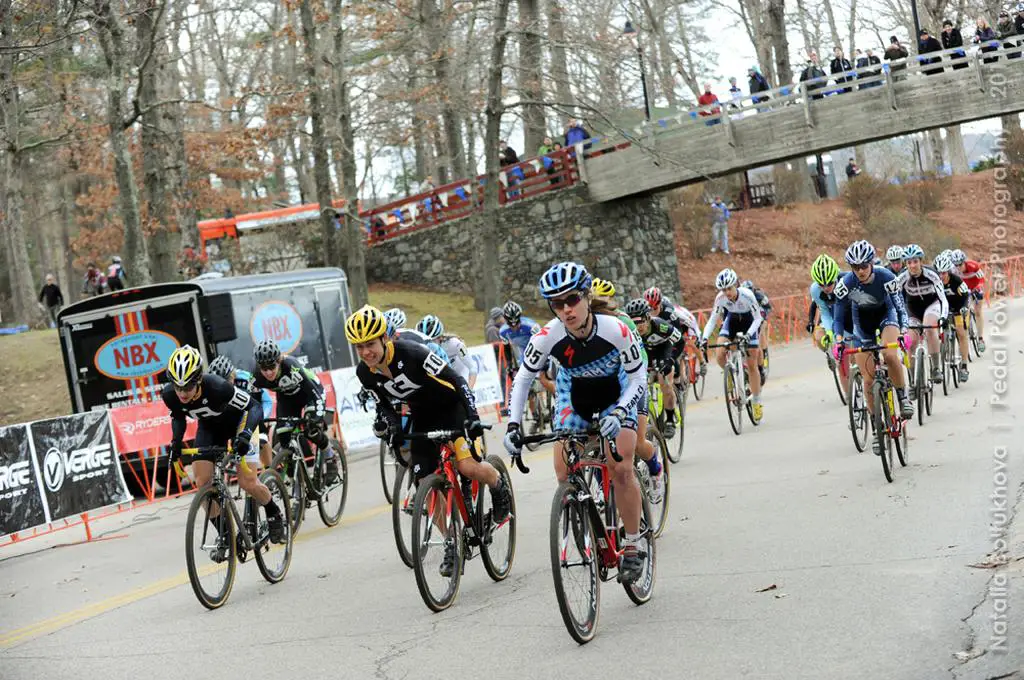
(950,357)
(656,415)
(889,426)
(580,521)
(230,545)
(835,370)
(972,329)
(921,376)
(694,378)
(456,510)
(857,409)
(306,487)
(737,384)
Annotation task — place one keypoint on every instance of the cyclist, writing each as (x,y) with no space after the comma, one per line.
(925,300)
(872,294)
(737,309)
(895,257)
(516,334)
(603,292)
(766,310)
(958,298)
(395,319)
(223,367)
(438,399)
(452,346)
(299,393)
(974,277)
(825,273)
(602,372)
(225,414)
(663,343)
(677,315)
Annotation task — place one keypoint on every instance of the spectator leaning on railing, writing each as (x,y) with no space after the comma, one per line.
(896,52)
(757,83)
(839,67)
(985,36)
(813,71)
(709,99)
(575,133)
(927,43)
(951,38)
(1007,32)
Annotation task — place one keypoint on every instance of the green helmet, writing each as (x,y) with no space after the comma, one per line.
(824,271)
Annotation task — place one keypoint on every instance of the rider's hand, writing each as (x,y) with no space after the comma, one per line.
(837,349)
(380,426)
(240,445)
(513,439)
(612,423)
(175,452)
(944,323)
(474,428)
(809,327)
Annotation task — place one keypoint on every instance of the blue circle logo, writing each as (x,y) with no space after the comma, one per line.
(135,355)
(278,321)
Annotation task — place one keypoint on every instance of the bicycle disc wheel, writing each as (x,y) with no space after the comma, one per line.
(333,495)
(857,409)
(296,486)
(498,541)
(920,386)
(659,510)
(882,429)
(273,559)
(733,404)
(430,541)
(640,591)
(201,542)
(387,469)
(401,513)
(834,368)
(574,554)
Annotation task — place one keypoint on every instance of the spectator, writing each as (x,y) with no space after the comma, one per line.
(852,170)
(896,52)
(378,227)
(735,94)
(115,274)
(546,147)
(506,154)
(840,67)
(191,264)
(873,60)
(951,38)
(1018,19)
(575,133)
(427,184)
(51,296)
(720,226)
(709,99)
(813,71)
(925,44)
(757,83)
(1007,32)
(859,62)
(94,281)
(493,325)
(986,37)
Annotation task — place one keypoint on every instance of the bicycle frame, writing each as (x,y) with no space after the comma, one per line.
(223,466)
(882,378)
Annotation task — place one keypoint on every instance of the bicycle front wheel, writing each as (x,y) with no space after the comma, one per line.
(858,412)
(834,368)
(210,551)
(436,530)
(296,485)
(388,466)
(944,357)
(574,569)
(733,402)
(698,384)
(403,492)
(273,559)
(333,494)
(659,510)
(498,542)
(972,337)
(882,428)
(920,386)
(680,438)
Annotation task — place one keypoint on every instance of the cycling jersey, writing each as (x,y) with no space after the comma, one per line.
(762,299)
(972,275)
(221,409)
(243,381)
(825,304)
(520,336)
(624,318)
(603,371)
(297,387)
(458,356)
(957,294)
(663,340)
(874,304)
(414,335)
(922,291)
(745,305)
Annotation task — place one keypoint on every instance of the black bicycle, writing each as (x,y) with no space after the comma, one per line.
(306,472)
(212,543)
(889,426)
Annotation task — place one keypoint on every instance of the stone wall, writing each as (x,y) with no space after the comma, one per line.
(630,242)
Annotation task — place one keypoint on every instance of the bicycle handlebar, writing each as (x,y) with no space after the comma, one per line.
(212,454)
(581,436)
(442,436)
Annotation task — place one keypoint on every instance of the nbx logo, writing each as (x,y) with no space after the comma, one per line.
(135,355)
(276,328)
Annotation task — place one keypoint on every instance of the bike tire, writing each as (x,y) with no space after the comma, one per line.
(196,510)
(497,569)
(921,387)
(431,490)
(659,511)
(272,480)
(833,367)
(732,405)
(856,408)
(973,337)
(944,358)
(565,506)
(329,495)
(900,443)
(297,493)
(748,401)
(698,385)
(680,424)
(401,514)
(387,470)
(640,591)
(882,430)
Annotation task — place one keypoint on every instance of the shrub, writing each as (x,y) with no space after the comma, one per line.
(791,185)
(781,248)
(899,226)
(870,197)
(986,164)
(925,196)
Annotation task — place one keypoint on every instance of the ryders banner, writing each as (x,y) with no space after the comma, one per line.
(21,498)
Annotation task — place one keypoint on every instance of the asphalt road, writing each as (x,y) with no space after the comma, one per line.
(866,578)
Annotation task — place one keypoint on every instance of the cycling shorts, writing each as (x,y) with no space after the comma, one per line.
(978,293)
(871,322)
(738,323)
(425,456)
(207,435)
(918,311)
(577,402)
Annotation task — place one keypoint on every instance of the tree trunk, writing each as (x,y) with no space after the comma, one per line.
(833,29)
(321,159)
(801,13)
(20,272)
(530,77)
(435,28)
(935,139)
(860,156)
(956,152)
(559,63)
(780,43)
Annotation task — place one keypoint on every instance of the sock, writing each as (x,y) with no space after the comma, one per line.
(654,465)
(935,361)
(756,398)
(272,509)
(631,539)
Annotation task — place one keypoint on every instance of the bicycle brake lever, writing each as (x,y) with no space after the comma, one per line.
(518,460)
(614,450)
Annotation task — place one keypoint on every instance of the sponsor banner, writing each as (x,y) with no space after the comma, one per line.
(328,383)
(144,426)
(279,321)
(21,498)
(134,356)
(77,462)
(488,380)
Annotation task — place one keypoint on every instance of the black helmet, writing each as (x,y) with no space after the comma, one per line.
(267,354)
(638,309)
(512,311)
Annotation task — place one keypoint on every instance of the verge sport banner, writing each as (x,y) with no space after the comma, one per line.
(21,501)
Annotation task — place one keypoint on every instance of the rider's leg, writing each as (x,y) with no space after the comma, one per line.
(720,354)
(891,334)
(627,492)
(979,318)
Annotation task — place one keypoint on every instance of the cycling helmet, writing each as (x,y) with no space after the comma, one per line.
(959,257)
(638,309)
(267,354)
(894,254)
(365,324)
(562,278)
(913,251)
(222,366)
(431,327)
(512,312)
(602,288)
(944,263)
(185,367)
(747,284)
(395,318)
(726,279)
(825,270)
(116,259)
(653,296)
(860,252)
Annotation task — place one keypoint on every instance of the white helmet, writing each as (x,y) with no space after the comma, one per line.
(944,263)
(726,278)
(959,257)
(894,254)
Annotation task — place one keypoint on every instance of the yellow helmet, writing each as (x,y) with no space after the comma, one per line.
(185,366)
(602,288)
(365,324)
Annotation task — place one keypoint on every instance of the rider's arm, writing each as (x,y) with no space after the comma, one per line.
(312,392)
(438,368)
(894,297)
(534,361)
(817,301)
(384,406)
(755,311)
(717,312)
(461,358)
(178,423)
(633,363)
(933,276)
(840,308)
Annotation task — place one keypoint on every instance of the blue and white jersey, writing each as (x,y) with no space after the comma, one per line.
(878,298)
(824,302)
(413,335)
(519,337)
(243,380)
(745,303)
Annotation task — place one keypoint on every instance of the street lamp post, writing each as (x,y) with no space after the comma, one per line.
(632,33)
(917,24)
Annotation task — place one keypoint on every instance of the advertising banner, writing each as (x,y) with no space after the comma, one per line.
(144,426)
(21,497)
(77,462)
(488,382)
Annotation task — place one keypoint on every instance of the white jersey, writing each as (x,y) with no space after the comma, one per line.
(458,356)
(688,319)
(745,303)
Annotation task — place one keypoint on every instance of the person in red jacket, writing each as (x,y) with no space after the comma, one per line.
(709,99)
(974,277)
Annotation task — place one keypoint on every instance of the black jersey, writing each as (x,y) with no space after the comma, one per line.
(219,405)
(957,294)
(419,377)
(295,385)
(662,339)
(922,290)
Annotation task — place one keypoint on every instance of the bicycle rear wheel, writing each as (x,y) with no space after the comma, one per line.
(833,367)
(401,513)
(640,591)
(944,358)
(680,424)
(698,381)
(206,553)
(284,464)
(572,532)
(858,411)
(429,542)
(273,559)
(882,429)
(659,510)
(331,503)
(901,444)
(498,541)
(972,337)
(733,402)
(921,387)
(388,466)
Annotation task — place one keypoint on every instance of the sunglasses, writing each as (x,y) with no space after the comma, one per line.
(569,301)
(862,267)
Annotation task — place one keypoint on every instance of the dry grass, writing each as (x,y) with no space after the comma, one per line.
(32,377)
